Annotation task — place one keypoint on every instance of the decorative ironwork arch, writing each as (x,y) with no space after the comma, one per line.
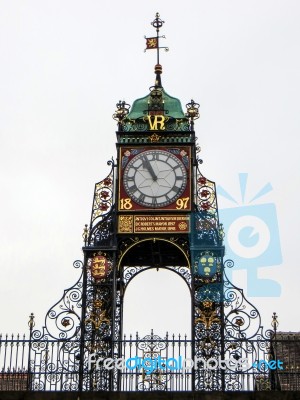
(180,271)
(129,272)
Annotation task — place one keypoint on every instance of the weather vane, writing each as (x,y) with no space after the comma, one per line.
(153,42)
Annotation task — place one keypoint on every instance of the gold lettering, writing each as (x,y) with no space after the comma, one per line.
(155,121)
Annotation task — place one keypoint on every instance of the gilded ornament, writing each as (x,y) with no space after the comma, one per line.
(154,138)
(125,223)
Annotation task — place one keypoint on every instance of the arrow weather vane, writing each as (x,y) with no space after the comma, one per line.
(153,42)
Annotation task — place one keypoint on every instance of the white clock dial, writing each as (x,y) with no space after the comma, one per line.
(155,178)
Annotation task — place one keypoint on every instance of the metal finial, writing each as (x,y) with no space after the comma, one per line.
(274,322)
(192,112)
(85,234)
(157,22)
(31,322)
(153,42)
(121,111)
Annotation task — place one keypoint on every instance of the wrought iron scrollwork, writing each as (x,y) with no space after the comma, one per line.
(242,319)
(53,351)
(98,320)
(152,347)
(244,337)
(102,233)
(63,319)
(103,197)
(102,221)
(130,272)
(207,229)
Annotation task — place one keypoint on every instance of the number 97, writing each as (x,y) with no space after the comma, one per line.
(182,203)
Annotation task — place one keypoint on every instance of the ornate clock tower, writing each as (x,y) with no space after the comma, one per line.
(153,210)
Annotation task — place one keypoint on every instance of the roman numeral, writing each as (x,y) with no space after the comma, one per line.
(132,188)
(141,197)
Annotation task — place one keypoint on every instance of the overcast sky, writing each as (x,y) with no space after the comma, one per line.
(65,64)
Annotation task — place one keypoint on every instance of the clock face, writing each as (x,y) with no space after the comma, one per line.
(155,178)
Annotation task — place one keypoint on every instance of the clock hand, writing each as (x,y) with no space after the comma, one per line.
(148,166)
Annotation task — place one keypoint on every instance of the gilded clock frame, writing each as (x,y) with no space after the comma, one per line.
(181,204)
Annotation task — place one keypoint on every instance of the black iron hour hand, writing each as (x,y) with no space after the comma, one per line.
(148,166)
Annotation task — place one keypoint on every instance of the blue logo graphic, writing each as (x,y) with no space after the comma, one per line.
(264,365)
(252,238)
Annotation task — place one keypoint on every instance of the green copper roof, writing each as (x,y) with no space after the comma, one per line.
(172,107)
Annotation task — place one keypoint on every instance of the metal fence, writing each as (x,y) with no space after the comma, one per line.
(150,363)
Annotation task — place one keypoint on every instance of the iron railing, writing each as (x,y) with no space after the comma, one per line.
(150,363)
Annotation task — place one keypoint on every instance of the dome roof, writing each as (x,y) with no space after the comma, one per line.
(172,106)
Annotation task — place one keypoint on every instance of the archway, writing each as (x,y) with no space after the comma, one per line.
(157,282)
(157,300)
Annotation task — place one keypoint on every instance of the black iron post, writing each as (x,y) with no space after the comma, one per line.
(31,325)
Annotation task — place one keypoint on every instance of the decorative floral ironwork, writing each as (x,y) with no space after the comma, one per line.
(207,230)
(102,233)
(103,197)
(208,315)
(206,197)
(98,316)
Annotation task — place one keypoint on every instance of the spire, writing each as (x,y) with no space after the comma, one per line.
(153,43)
